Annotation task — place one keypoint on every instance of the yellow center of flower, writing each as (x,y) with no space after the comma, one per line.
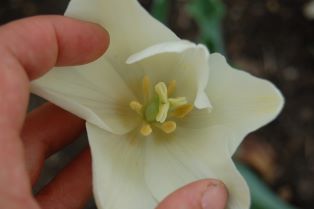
(159,109)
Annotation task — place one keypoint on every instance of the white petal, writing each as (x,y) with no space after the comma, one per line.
(118,180)
(131,28)
(165,47)
(190,155)
(240,100)
(183,61)
(95,93)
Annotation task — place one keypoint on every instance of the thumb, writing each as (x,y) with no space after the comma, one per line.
(203,194)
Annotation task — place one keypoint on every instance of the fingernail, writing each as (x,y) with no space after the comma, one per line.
(212,197)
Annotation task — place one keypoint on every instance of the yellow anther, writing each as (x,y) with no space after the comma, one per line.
(172,87)
(136,106)
(163,112)
(161,90)
(169,127)
(146,88)
(177,102)
(146,130)
(182,111)
(157,103)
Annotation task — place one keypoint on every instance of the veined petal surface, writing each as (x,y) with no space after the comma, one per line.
(95,93)
(118,177)
(189,155)
(241,102)
(182,61)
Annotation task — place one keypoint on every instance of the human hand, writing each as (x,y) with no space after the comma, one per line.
(28,49)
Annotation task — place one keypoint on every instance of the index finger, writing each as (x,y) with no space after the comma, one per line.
(39,43)
(32,46)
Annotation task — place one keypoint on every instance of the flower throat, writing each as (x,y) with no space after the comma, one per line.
(159,108)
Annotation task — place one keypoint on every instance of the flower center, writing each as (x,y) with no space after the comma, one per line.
(159,108)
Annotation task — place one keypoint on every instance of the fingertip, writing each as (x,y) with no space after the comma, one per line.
(90,39)
(214,196)
(81,43)
(39,43)
(202,194)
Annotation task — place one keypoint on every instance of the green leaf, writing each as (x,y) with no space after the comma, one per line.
(262,196)
(208,15)
(160,10)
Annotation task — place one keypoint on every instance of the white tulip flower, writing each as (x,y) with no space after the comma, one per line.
(160,112)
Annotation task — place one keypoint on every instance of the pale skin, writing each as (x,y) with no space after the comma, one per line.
(28,49)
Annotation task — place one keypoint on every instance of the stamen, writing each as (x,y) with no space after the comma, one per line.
(136,106)
(146,88)
(161,90)
(169,127)
(157,104)
(171,87)
(182,111)
(177,102)
(146,130)
(163,112)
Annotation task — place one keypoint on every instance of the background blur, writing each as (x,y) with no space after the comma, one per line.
(273,39)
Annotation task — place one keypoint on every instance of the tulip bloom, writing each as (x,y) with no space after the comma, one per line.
(160,112)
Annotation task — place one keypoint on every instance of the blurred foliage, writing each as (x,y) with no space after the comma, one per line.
(160,10)
(262,196)
(209,14)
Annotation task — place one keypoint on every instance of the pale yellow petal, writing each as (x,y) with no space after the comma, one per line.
(189,155)
(241,102)
(118,177)
(94,92)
